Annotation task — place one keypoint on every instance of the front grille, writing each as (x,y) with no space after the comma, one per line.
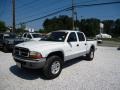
(21,52)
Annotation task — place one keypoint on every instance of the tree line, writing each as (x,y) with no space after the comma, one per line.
(90,26)
(2,26)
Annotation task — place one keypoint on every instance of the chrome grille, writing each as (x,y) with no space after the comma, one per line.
(22,52)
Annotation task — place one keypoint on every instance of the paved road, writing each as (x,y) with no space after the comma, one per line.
(110,43)
(103,73)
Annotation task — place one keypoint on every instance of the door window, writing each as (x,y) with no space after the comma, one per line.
(72,37)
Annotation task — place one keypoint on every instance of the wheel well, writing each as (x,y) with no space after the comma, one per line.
(57,53)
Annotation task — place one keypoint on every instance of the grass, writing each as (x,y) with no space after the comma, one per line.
(111,39)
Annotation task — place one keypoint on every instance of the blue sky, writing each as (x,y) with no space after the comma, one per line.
(30,9)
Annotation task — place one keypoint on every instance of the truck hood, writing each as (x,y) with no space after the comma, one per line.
(14,39)
(33,45)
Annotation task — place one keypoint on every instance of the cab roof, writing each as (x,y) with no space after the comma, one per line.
(67,31)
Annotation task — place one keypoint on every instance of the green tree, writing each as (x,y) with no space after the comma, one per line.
(58,23)
(108,26)
(89,26)
(42,31)
(2,26)
(117,28)
(112,27)
(21,29)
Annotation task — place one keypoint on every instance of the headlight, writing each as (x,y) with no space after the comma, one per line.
(35,55)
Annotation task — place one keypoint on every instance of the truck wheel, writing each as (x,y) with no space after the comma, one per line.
(90,55)
(53,67)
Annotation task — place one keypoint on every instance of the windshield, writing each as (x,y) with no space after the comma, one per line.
(36,35)
(56,36)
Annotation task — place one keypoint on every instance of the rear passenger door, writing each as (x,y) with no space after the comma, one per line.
(82,43)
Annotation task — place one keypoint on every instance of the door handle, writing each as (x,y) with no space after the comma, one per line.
(85,43)
(77,45)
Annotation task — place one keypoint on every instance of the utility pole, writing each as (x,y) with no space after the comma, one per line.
(76,18)
(73,14)
(13,15)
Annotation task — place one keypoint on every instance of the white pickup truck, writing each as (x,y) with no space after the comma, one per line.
(31,36)
(50,53)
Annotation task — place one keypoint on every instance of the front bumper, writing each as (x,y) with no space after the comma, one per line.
(32,64)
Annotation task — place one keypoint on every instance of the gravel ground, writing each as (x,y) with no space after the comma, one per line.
(103,73)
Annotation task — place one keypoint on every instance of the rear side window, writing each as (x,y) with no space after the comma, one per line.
(81,36)
(72,37)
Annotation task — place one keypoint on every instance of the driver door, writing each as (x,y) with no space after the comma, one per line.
(72,47)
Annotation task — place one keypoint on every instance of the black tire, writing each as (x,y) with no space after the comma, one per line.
(49,64)
(90,55)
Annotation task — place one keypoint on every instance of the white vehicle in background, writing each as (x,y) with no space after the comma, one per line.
(99,41)
(50,53)
(103,36)
(32,36)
